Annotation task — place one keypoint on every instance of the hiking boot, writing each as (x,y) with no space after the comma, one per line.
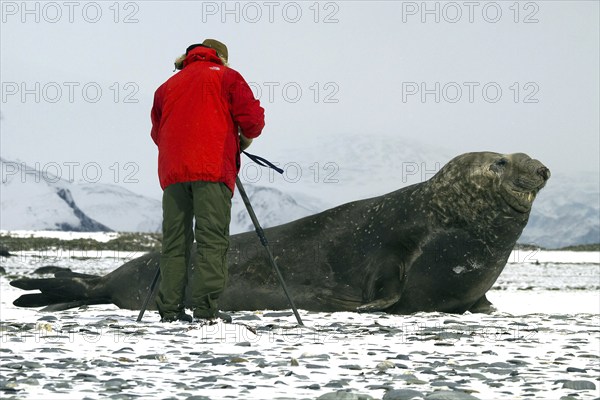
(182,316)
(204,316)
(224,316)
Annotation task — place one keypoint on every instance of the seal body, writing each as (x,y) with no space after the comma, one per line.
(435,246)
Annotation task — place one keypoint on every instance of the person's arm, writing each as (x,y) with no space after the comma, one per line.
(245,109)
(155,115)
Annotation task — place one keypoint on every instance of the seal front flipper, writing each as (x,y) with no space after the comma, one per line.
(383,282)
(339,298)
(345,298)
(379,304)
(483,306)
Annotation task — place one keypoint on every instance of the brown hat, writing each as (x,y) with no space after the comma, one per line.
(219,47)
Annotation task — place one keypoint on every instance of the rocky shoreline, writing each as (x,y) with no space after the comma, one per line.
(102,352)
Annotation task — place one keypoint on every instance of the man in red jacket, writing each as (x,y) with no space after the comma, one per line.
(201,119)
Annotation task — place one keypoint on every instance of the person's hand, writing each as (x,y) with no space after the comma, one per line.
(244,142)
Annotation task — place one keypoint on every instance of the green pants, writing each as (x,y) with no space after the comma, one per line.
(203,271)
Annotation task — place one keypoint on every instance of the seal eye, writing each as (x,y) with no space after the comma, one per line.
(498,166)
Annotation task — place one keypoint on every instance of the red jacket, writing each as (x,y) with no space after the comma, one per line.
(195,120)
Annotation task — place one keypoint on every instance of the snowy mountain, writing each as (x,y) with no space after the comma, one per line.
(340,169)
(118,208)
(34,200)
(337,171)
(272,207)
(566,212)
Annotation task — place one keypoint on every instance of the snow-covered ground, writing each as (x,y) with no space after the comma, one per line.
(542,343)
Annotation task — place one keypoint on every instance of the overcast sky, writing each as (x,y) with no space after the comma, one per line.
(78,77)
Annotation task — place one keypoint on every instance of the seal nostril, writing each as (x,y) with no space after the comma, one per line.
(544,173)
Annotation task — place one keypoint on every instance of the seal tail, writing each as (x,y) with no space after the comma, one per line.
(60,293)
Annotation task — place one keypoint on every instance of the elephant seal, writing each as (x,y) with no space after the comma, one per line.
(438,245)
(4,252)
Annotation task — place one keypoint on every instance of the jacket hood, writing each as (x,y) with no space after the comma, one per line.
(202,54)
